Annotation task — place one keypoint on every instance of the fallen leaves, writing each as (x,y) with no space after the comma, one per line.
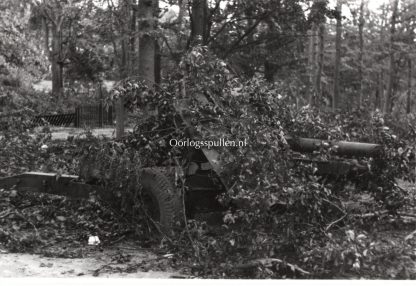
(33,222)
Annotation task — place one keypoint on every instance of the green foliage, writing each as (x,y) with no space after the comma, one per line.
(21,150)
(36,223)
(357,252)
(284,204)
(21,59)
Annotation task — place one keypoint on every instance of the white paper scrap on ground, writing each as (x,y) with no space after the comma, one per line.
(93,240)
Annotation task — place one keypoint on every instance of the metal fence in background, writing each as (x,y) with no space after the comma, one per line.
(93,116)
(65,120)
(84,116)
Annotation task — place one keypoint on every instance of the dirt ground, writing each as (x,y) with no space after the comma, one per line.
(62,133)
(116,262)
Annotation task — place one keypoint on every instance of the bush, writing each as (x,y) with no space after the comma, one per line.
(284,204)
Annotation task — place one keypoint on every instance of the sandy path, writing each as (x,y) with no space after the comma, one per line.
(63,133)
(17,265)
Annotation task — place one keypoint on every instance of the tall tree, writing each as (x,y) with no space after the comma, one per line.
(63,25)
(320,64)
(125,65)
(388,105)
(380,89)
(199,22)
(53,13)
(157,52)
(409,86)
(336,98)
(147,26)
(312,61)
(360,53)
(317,17)
(410,24)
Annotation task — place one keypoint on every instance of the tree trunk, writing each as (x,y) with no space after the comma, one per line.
(207,26)
(377,92)
(132,32)
(336,99)
(158,56)
(181,13)
(388,105)
(320,62)
(120,113)
(57,62)
(119,108)
(46,40)
(250,35)
(120,117)
(158,63)
(409,86)
(381,91)
(198,22)
(381,83)
(147,41)
(360,54)
(180,42)
(125,67)
(410,29)
(312,63)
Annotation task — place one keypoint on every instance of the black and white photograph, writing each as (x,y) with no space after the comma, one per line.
(191,140)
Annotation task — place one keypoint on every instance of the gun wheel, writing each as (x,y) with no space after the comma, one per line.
(163,202)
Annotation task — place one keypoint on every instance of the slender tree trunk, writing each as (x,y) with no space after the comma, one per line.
(409,86)
(147,41)
(179,37)
(57,62)
(46,40)
(307,53)
(360,53)
(377,92)
(158,64)
(120,112)
(132,32)
(207,24)
(312,63)
(181,13)
(381,91)
(320,62)
(54,50)
(336,99)
(410,29)
(250,36)
(198,22)
(125,68)
(388,105)
(381,83)
(158,56)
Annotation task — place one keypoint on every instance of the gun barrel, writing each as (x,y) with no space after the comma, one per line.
(345,148)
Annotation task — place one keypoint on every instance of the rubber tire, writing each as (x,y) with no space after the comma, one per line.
(156,182)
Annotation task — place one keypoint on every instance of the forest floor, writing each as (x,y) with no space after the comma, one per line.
(125,260)
(59,251)
(62,133)
(121,261)
(47,236)
(44,235)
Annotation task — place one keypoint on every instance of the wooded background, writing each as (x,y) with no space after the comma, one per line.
(332,54)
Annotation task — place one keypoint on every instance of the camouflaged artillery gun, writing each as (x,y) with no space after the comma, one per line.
(202,178)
